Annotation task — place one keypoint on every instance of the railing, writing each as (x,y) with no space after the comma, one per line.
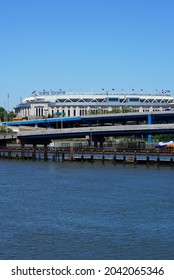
(88,150)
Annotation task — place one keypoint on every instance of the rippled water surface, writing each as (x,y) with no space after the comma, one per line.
(55,210)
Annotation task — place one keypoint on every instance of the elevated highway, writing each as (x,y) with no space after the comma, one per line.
(95,134)
(94,128)
(99,120)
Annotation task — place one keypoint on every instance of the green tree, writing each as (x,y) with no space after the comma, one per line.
(10,116)
(6,116)
(3,114)
(4,129)
(163,137)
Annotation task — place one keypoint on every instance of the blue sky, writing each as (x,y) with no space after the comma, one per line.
(85,45)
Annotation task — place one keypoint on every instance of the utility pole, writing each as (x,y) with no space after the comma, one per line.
(8,97)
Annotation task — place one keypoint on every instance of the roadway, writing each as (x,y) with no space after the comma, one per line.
(93,133)
(95,127)
(105,119)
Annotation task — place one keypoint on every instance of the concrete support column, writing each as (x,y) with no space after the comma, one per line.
(98,140)
(149,121)
(34,145)
(95,143)
(22,144)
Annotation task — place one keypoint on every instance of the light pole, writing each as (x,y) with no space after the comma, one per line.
(8,98)
(107,100)
(61,122)
(62,115)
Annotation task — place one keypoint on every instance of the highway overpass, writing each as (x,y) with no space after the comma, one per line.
(96,134)
(99,120)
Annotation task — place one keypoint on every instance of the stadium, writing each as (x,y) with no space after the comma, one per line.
(46,104)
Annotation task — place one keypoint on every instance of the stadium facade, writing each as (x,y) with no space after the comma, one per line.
(46,104)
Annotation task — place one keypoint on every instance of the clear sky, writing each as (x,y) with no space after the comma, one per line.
(85,45)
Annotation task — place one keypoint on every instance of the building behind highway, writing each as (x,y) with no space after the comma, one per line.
(60,103)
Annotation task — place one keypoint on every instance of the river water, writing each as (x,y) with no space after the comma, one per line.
(73,210)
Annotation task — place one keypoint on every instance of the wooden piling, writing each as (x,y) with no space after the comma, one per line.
(158,158)
(34,154)
(147,158)
(39,156)
(92,159)
(114,159)
(103,157)
(124,157)
(171,160)
(45,155)
(135,157)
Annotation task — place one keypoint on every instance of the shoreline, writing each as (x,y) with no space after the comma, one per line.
(125,157)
